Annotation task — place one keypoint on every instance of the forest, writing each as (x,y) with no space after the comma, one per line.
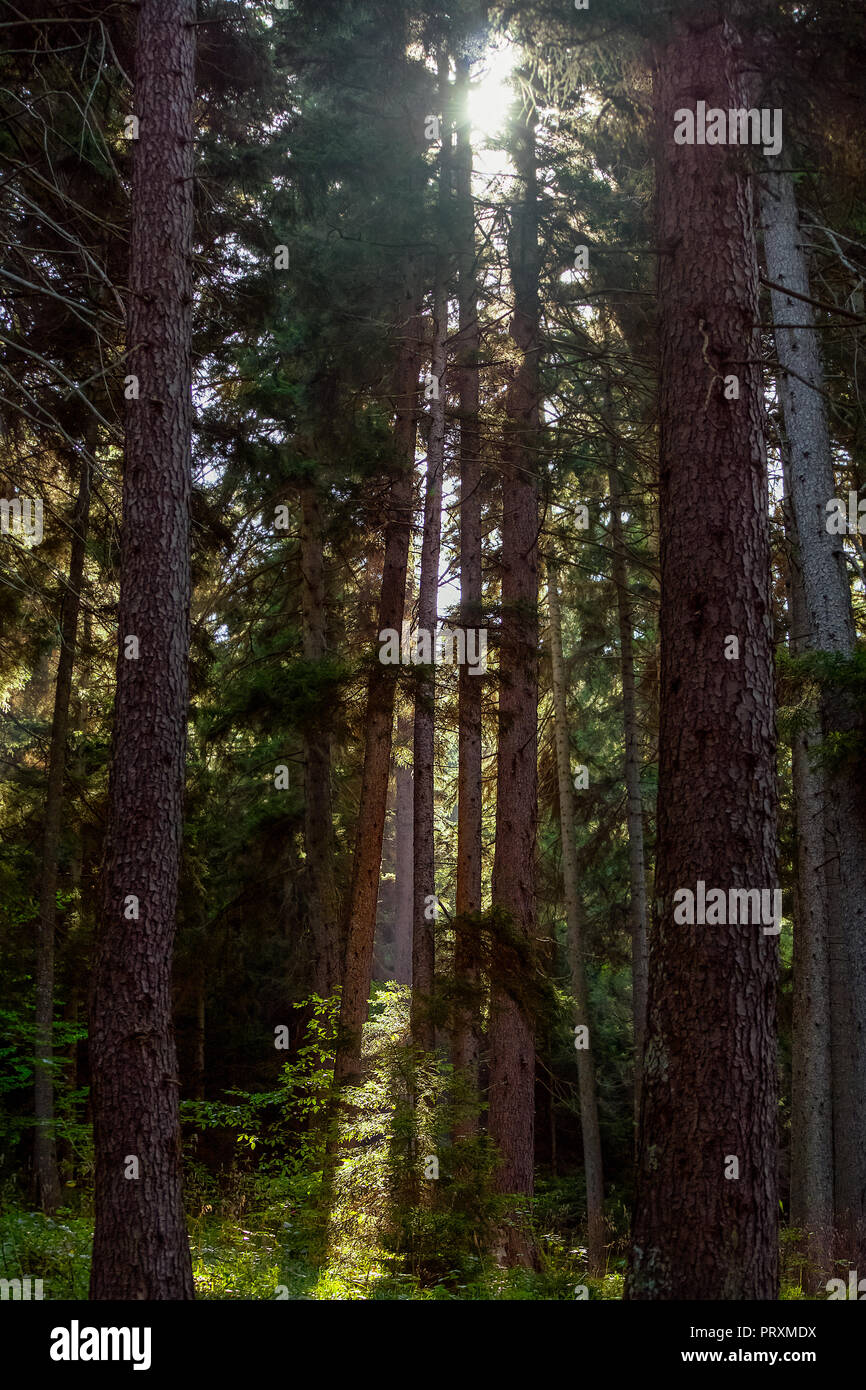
(432,666)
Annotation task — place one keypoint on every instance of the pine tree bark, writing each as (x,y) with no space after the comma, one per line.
(466,1038)
(811,1205)
(634,814)
(323,906)
(381,690)
(829,627)
(423,921)
(45,1146)
(404,870)
(404,812)
(140,1246)
(592,1160)
(511,1110)
(710,1083)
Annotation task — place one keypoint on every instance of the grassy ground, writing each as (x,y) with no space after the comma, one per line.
(262,1257)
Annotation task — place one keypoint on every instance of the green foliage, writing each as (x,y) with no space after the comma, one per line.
(56,1250)
(307,136)
(829,686)
(74,1134)
(279,1136)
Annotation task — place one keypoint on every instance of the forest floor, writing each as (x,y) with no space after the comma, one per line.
(255,1227)
(260,1259)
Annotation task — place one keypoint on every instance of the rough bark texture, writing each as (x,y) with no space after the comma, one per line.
(380,709)
(710,1083)
(404,886)
(404,811)
(323,907)
(511,1113)
(423,924)
(140,1246)
(829,627)
(466,1035)
(592,1161)
(44,1144)
(811,1055)
(634,815)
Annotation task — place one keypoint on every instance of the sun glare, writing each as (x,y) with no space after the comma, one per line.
(492,95)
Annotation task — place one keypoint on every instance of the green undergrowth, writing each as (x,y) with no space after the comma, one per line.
(53,1249)
(404,1212)
(264,1258)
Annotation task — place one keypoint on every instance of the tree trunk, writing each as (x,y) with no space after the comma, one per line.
(404,872)
(575,918)
(511,1113)
(706,1212)
(811,1206)
(634,817)
(140,1246)
(380,712)
(466,1035)
(423,918)
(322,901)
(45,1148)
(830,628)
